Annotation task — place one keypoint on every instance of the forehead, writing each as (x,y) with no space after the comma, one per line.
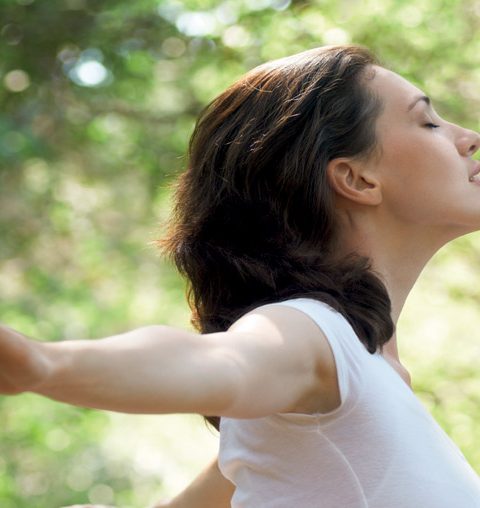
(395,92)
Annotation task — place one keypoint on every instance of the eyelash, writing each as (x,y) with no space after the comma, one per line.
(432,125)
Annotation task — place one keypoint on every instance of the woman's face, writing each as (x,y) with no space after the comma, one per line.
(425,163)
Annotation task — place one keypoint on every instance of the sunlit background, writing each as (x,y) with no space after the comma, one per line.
(97,103)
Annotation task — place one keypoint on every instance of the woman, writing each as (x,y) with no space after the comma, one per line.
(318,187)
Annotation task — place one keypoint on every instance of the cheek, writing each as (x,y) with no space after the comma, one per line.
(419,181)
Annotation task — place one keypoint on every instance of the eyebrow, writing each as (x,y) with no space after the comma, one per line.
(423,98)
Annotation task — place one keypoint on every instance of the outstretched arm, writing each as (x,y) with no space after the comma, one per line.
(268,361)
(210,489)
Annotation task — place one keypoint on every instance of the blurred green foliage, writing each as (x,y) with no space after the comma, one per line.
(97,103)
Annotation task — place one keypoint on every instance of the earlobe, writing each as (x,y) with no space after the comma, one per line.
(352,181)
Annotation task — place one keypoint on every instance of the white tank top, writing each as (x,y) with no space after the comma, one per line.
(379,449)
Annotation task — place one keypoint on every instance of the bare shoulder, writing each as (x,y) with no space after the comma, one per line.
(293,329)
(286,324)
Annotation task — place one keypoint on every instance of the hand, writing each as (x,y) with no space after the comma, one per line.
(23,366)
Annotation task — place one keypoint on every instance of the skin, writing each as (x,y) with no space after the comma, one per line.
(161,369)
(209,490)
(401,231)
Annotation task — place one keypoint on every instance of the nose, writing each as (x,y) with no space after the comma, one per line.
(468,142)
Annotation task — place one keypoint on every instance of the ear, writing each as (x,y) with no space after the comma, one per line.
(354,181)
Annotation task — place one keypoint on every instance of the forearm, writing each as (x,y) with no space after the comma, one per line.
(155,369)
(210,489)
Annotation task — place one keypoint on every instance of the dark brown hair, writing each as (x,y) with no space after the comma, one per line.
(254,217)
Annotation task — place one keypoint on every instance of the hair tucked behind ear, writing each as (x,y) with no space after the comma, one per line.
(254,219)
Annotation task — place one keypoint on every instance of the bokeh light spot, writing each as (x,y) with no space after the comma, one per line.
(411,16)
(16,80)
(336,36)
(33,484)
(101,494)
(13,142)
(12,34)
(57,439)
(236,37)
(173,47)
(197,24)
(80,479)
(68,54)
(227,13)
(280,5)
(89,73)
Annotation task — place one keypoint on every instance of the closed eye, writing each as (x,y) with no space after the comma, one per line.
(431,125)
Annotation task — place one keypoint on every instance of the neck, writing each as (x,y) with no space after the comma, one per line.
(398,256)
(399,269)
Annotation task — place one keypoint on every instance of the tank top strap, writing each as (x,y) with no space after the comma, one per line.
(349,355)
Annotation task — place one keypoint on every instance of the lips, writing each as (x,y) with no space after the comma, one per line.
(474,174)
